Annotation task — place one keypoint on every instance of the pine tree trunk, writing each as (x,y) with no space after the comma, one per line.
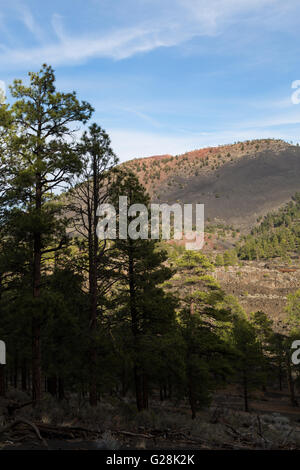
(145,392)
(16,366)
(170,391)
(61,389)
(290,381)
(36,361)
(24,375)
(192,399)
(138,375)
(280,377)
(138,389)
(124,382)
(93,324)
(36,326)
(93,252)
(2,380)
(52,385)
(93,398)
(245,387)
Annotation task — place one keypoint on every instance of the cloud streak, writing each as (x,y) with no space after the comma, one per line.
(28,20)
(117,45)
(181,21)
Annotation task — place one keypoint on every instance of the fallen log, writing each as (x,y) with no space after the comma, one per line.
(67,431)
(15,423)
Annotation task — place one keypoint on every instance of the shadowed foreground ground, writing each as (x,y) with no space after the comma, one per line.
(272,424)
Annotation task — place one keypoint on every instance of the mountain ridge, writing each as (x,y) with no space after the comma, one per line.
(237,183)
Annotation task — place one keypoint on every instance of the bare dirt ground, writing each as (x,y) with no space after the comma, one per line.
(272,423)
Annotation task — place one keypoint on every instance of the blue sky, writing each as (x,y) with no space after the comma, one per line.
(165,76)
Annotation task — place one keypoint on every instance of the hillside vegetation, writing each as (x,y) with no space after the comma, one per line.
(155,170)
(278,235)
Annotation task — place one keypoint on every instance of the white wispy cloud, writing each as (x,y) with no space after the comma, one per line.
(176,23)
(118,45)
(29,21)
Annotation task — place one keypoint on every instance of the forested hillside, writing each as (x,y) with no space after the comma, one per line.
(278,235)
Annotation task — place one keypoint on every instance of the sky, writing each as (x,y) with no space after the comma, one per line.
(165,76)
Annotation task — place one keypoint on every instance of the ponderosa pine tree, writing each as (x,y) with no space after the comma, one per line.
(263,330)
(202,316)
(91,190)
(42,159)
(250,361)
(143,305)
